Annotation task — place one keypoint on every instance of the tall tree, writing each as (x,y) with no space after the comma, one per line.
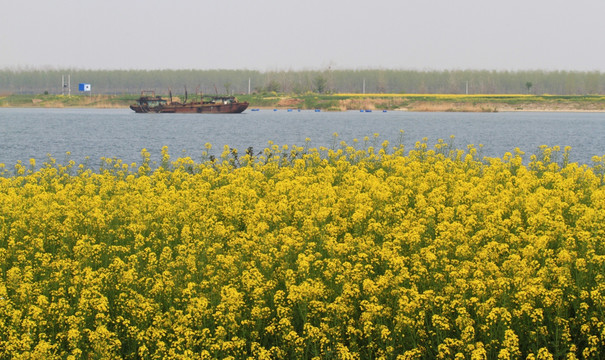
(320,83)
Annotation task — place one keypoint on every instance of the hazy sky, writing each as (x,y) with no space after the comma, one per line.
(303,34)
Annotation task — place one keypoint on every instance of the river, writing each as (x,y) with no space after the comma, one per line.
(27,133)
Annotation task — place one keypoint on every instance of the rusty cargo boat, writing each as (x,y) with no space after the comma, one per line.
(150,103)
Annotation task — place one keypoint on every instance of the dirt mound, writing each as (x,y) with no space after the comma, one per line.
(289,102)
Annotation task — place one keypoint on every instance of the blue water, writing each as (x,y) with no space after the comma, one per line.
(97,133)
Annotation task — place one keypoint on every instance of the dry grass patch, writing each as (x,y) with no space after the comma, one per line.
(452,107)
(365,104)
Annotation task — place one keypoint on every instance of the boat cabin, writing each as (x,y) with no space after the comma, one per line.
(150,100)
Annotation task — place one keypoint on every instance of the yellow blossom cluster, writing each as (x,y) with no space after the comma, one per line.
(297,252)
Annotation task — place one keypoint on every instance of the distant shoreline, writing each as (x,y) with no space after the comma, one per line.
(346,102)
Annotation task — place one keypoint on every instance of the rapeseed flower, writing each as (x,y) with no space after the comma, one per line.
(298,252)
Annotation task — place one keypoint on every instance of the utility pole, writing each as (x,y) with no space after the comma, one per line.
(66,85)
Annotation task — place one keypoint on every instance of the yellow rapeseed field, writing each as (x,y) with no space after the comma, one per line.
(356,251)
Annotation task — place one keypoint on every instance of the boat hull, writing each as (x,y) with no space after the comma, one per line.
(232,108)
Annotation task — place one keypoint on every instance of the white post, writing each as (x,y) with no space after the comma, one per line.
(63,85)
(248,86)
(69,84)
(364,86)
(467,88)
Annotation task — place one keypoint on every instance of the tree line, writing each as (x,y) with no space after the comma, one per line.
(38,81)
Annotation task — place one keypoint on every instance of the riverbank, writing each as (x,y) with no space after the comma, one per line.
(462,103)
(345,102)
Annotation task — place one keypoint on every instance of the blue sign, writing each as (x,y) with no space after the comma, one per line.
(84,87)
